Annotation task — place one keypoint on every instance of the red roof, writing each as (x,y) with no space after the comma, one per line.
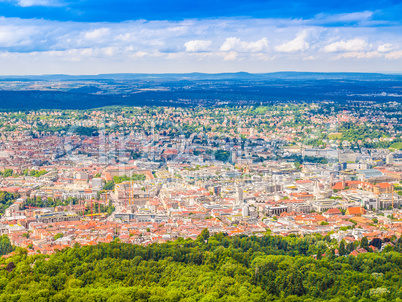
(10,189)
(339,185)
(108,176)
(170,151)
(306,181)
(334,211)
(358,251)
(355,211)
(384,185)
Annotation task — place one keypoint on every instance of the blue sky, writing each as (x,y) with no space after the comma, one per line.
(90,37)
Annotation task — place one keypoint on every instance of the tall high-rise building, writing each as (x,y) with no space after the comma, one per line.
(239,195)
(245,210)
(234,157)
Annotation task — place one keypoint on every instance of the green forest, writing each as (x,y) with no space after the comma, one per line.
(6,200)
(211,268)
(5,245)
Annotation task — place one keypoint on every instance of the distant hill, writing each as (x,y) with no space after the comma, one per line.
(86,90)
(52,100)
(195,89)
(211,76)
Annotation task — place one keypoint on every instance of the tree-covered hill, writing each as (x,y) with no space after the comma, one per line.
(191,90)
(5,245)
(217,268)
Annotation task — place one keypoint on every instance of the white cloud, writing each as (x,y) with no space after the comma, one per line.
(97,34)
(80,54)
(261,56)
(7,37)
(385,47)
(359,55)
(297,44)
(28,3)
(390,55)
(235,44)
(12,36)
(358,17)
(127,37)
(139,54)
(354,45)
(162,44)
(197,45)
(230,56)
(7,55)
(394,55)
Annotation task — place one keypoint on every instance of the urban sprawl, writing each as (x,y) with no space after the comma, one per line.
(154,174)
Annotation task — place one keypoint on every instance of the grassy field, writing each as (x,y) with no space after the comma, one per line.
(335,136)
(396,146)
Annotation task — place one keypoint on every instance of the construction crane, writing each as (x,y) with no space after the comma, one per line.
(83,208)
(106,192)
(131,193)
(95,215)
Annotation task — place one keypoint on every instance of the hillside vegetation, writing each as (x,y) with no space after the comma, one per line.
(217,268)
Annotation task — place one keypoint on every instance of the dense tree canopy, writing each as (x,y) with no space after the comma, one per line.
(6,200)
(135,177)
(220,268)
(5,245)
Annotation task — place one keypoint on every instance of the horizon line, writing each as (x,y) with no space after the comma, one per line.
(206,73)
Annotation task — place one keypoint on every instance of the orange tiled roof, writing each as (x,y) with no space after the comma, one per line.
(333,211)
(355,211)
(384,185)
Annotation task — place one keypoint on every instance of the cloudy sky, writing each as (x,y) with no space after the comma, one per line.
(110,36)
